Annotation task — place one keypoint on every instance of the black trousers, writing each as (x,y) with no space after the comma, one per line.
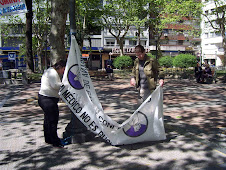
(51,117)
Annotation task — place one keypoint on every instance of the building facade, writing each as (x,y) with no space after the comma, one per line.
(212,47)
(174,40)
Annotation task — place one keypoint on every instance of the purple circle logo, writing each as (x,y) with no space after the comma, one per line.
(137,126)
(74,77)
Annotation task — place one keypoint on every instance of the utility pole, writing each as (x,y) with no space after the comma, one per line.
(72,17)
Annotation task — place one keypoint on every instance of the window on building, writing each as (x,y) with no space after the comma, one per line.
(95,57)
(110,42)
(16,29)
(213,10)
(132,42)
(11,42)
(217,34)
(143,43)
(180,42)
(206,35)
(211,34)
(96,42)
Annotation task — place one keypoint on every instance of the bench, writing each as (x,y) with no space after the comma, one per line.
(13,76)
(97,74)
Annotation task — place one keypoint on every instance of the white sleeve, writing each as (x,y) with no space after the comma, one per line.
(54,80)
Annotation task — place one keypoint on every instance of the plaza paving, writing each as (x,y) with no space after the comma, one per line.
(194,123)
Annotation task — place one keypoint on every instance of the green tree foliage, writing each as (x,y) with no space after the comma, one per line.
(174,12)
(151,55)
(117,17)
(87,15)
(41,30)
(123,61)
(166,61)
(185,61)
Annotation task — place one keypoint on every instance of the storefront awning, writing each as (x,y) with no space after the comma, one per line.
(85,55)
(9,48)
(93,48)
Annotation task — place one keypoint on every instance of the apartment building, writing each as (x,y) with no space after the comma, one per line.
(174,40)
(212,49)
(10,48)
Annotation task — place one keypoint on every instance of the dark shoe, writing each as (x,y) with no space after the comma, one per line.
(66,141)
(48,141)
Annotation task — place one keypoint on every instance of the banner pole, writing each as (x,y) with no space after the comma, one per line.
(75,130)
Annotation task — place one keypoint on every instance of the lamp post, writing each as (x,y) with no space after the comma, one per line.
(156,50)
(75,130)
(100,58)
(46,42)
(90,53)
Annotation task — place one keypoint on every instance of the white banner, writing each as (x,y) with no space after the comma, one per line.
(8,7)
(77,91)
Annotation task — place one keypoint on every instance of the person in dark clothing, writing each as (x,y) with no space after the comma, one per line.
(109,71)
(198,73)
(207,72)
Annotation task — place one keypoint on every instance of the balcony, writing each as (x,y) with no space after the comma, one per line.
(213,40)
(173,48)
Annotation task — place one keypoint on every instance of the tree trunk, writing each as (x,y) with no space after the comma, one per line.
(224,46)
(39,54)
(120,42)
(29,56)
(57,33)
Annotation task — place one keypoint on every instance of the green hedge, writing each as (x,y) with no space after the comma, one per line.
(166,61)
(121,62)
(184,61)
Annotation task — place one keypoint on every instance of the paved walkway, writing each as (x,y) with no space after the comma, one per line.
(194,122)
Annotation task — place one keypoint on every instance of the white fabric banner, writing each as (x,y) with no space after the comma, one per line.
(77,91)
(8,7)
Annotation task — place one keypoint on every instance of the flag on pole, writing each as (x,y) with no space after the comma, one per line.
(77,91)
(8,7)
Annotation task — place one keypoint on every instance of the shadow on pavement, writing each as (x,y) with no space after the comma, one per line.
(194,116)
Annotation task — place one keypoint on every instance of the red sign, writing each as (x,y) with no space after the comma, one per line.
(8,2)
